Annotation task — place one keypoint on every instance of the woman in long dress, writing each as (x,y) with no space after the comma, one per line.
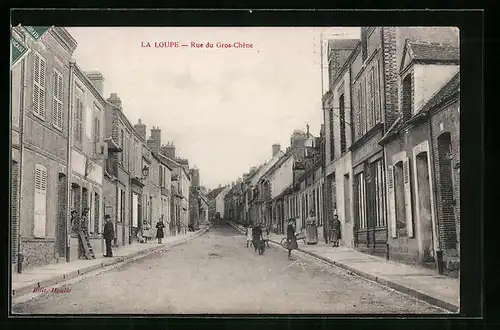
(291,238)
(159,231)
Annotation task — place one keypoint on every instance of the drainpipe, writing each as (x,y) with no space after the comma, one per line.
(439,251)
(20,256)
(68,161)
(387,246)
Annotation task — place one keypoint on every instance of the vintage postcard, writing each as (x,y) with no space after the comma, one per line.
(235,170)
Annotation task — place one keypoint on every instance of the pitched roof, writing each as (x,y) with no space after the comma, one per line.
(425,51)
(342,44)
(448,90)
(214,193)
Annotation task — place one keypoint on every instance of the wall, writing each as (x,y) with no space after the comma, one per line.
(343,166)
(429,79)
(282,177)
(448,120)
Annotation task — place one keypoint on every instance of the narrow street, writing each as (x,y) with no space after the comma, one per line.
(215,273)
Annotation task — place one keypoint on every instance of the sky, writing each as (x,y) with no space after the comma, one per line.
(223,108)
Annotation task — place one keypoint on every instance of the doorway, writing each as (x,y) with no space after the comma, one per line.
(61,212)
(424,206)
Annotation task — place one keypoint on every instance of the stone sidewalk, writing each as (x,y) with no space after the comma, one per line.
(424,284)
(53,274)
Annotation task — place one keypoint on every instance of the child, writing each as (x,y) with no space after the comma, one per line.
(249,235)
(266,236)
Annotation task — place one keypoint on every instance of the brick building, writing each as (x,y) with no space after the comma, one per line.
(338,136)
(424,68)
(40,108)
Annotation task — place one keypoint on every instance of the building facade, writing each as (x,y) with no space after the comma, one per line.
(338,138)
(424,68)
(118,127)
(88,158)
(40,113)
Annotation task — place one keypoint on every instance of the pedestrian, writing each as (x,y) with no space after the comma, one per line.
(257,234)
(249,234)
(291,239)
(336,229)
(109,235)
(159,230)
(266,236)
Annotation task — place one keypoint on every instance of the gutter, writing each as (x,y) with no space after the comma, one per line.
(67,231)
(20,256)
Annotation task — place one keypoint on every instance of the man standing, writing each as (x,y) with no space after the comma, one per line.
(109,235)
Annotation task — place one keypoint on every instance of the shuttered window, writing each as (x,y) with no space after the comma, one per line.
(40,211)
(376,85)
(78,130)
(390,200)
(97,134)
(39,75)
(57,100)
(408,196)
(97,213)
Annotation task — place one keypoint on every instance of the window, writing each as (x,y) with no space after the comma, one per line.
(359,124)
(332,136)
(97,204)
(407,101)
(57,100)
(343,142)
(78,117)
(403,222)
(377,94)
(39,73)
(360,201)
(365,106)
(97,134)
(378,177)
(364,44)
(40,213)
(161,177)
(122,145)
(371,98)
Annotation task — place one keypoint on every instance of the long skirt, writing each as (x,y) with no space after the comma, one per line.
(292,243)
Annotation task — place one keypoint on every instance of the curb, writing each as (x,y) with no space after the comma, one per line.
(382,281)
(122,259)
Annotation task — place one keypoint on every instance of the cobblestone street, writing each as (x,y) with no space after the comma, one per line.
(216,273)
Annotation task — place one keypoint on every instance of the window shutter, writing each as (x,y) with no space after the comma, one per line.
(408,203)
(390,200)
(40,201)
(43,68)
(377,94)
(36,82)
(119,206)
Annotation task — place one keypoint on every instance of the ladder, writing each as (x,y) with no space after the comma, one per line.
(84,240)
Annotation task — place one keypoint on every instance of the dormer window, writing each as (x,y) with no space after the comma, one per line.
(407,96)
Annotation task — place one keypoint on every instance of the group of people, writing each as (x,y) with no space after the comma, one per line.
(109,234)
(255,234)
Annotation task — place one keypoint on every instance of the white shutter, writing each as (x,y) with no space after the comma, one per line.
(134,210)
(40,201)
(391,210)
(119,206)
(408,203)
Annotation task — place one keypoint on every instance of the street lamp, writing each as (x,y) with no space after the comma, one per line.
(145,172)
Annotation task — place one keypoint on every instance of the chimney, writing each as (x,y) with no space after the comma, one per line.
(154,141)
(169,150)
(97,80)
(276,148)
(115,100)
(141,129)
